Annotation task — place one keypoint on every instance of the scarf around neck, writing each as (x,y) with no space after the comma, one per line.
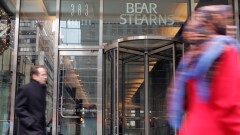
(197,72)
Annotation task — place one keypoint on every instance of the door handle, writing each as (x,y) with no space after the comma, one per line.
(61,111)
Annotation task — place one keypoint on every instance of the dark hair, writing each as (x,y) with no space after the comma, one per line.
(34,70)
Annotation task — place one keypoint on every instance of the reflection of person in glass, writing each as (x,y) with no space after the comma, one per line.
(31,103)
(207,84)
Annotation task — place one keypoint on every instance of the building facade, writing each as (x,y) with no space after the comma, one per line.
(109,62)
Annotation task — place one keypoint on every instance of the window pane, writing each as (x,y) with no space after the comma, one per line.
(131,18)
(7,27)
(36,43)
(79,22)
(78,95)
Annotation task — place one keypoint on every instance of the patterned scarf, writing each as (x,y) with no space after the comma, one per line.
(206,32)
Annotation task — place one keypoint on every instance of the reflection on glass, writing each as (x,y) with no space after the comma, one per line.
(36,46)
(131,18)
(132,94)
(126,109)
(78,95)
(200,3)
(7,26)
(160,74)
(79,22)
(108,99)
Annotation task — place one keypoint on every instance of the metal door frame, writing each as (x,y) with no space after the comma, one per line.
(115,44)
(81,51)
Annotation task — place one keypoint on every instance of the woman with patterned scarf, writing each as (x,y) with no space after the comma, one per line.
(204,98)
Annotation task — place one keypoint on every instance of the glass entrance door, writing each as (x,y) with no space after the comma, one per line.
(78,95)
(138,71)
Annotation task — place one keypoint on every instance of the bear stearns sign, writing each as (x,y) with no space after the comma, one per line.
(145,13)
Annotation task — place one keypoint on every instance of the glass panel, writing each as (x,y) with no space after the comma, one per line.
(131,114)
(131,18)
(160,74)
(7,29)
(146,44)
(78,95)
(129,118)
(108,96)
(131,94)
(79,22)
(200,3)
(36,46)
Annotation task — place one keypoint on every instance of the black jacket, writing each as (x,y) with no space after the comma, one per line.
(30,108)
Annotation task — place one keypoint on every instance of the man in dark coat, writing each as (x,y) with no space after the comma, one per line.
(31,103)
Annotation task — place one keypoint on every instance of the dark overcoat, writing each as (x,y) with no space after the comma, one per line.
(30,108)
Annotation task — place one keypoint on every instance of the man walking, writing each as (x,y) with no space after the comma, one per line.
(31,103)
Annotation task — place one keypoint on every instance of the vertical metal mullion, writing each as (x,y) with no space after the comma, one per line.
(236,17)
(114,94)
(56,73)
(123,97)
(112,90)
(14,68)
(104,93)
(100,115)
(117,92)
(146,105)
(99,91)
(190,7)
(101,24)
(174,66)
(174,60)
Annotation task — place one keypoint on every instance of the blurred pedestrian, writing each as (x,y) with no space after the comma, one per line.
(31,103)
(205,95)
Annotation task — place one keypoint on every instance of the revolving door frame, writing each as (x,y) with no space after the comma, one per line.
(115,92)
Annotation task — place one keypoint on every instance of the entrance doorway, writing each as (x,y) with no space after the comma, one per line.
(137,73)
(78,93)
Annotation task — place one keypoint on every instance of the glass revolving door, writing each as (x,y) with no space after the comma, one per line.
(137,73)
